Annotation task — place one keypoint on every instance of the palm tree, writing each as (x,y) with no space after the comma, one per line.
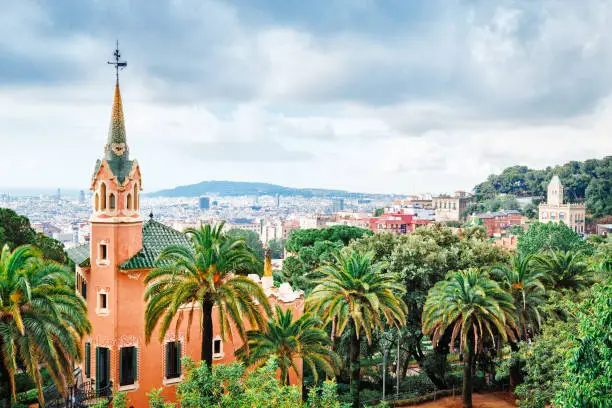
(526,286)
(567,270)
(42,319)
(473,307)
(290,340)
(355,293)
(202,275)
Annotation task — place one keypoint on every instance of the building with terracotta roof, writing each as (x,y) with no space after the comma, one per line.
(110,270)
(499,222)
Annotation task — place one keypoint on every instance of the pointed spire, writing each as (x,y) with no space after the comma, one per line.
(555,181)
(116,144)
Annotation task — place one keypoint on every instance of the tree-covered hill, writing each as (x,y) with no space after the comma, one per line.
(589,180)
(238,188)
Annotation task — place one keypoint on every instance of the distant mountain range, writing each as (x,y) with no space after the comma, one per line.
(240,188)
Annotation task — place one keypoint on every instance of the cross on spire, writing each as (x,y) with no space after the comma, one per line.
(117,63)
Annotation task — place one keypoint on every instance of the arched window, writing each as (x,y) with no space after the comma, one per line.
(97,202)
(103,197)
(112,200)
(136,198)
(128,200)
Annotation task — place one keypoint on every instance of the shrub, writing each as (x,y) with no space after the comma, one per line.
(157,401)
(120,400)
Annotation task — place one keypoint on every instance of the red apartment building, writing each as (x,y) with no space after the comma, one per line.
(396,223)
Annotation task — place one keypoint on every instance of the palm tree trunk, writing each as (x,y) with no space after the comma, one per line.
(354,365)
(207,332)
(467,374)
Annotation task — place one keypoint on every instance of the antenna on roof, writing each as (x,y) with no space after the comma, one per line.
(117,62)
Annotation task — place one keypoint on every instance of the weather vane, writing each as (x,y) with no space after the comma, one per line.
(117,63)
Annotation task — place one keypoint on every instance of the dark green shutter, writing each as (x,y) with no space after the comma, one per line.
(121,366)
(168,345)
(87,360)
(178,358)
(135,363)
(98,374)
(108,364)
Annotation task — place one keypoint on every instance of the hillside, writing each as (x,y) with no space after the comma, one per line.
(589,180)
(238,188)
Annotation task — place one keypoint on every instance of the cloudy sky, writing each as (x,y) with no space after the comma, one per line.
(365,95)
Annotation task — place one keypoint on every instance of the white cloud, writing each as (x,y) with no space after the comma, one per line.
(213,93)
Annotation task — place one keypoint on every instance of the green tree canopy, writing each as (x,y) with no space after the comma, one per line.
(421,259)
(588,376)
(289,340)
(308,237)
(277,246)
(545,364)
(544,237)
(15,230)
(251,239)
(525,283)
(233,386)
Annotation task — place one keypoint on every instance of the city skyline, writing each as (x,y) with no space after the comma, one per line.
(416,99)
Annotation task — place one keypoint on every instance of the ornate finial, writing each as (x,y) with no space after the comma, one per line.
(117,63)
(268,262)
(151,215)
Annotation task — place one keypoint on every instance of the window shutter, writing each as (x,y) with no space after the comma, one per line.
(178,358)
(98,368)
(168,363)
(87,360)
(135,363)
(108,365)
(121,374)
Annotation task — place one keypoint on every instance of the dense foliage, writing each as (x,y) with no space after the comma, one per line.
(587,381)
(543,237)
(545,364)
(42,319)
(290,340)
(277,246)
(421,259)
(491,205)
(233,386)
(590,180)
(15,230)
(250,238)
(313,248)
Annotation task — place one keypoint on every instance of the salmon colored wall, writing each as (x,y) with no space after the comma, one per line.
(124,327)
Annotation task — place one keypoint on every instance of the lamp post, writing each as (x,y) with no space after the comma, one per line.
(397,368)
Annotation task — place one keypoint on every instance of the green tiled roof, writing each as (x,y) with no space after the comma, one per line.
(155,238)
(79,254)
